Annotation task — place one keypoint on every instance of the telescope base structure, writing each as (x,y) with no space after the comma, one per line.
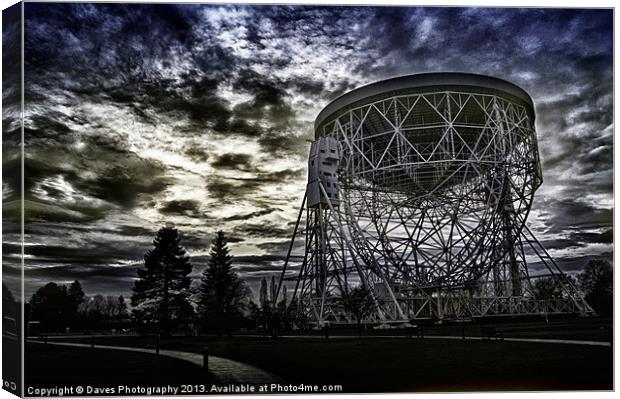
(335,261)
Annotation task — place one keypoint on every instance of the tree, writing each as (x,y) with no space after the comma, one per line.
(296,318)
(284,295)
(597,284)
(93,311)
(273,287)
(49,305)
(547,288)
(264,298)
(75,297)
(359,302)
(121,310)
(100,311)
(222,293)
(160,297)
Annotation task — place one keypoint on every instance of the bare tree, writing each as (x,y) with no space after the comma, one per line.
(358,301)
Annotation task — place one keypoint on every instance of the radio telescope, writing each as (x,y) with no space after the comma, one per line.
(419,188)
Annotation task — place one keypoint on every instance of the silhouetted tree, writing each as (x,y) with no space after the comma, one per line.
(161,294)
(50,305)
(75,298)
(597,284)
(121,312)
(296,318)
(284,295)
(222,293)
(273,287)
(92,311)
(264,298)
(100,311)
(547,288)
(254,314)
(358,301)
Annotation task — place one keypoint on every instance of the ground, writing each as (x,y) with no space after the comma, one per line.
(386,364)
(51,365)
(414,365)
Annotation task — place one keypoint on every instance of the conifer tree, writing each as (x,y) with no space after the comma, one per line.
(264,298)
(160,295)
(222,292)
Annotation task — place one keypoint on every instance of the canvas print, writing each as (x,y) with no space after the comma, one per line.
(297,199)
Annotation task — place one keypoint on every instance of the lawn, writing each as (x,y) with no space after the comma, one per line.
(52,365)
(414,365)
(410,365)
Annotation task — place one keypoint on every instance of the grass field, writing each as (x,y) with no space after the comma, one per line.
(412,365)
(51,365)
(408,365)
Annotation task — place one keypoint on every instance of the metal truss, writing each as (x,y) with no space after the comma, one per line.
(435,189)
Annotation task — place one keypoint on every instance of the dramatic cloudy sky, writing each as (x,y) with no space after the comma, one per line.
(197,115)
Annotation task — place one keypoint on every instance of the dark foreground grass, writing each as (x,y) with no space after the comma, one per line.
(410,365)
(52,365)
(414,365)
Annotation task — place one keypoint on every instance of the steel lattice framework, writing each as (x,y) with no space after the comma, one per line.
(434,180)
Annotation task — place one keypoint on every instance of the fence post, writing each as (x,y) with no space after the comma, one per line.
(92,342)
(157,345)
(463,332)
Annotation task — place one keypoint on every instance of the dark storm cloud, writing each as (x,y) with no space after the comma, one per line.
(606,237)
(133,231)
(312,87)
(123,185)
(107,173)
(197,154)
(91,253)
(479,40)
(578,239)
(265,229)
(261,265)
(181,207)
(233,161)
(250,215)
(277,246)
(278,142)
(115,58)
(576,216)
(222,188)
(82,272)
(268,98)
(572,264)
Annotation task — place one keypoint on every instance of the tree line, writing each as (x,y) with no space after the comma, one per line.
(60,307)
(164,302)
(595,283)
